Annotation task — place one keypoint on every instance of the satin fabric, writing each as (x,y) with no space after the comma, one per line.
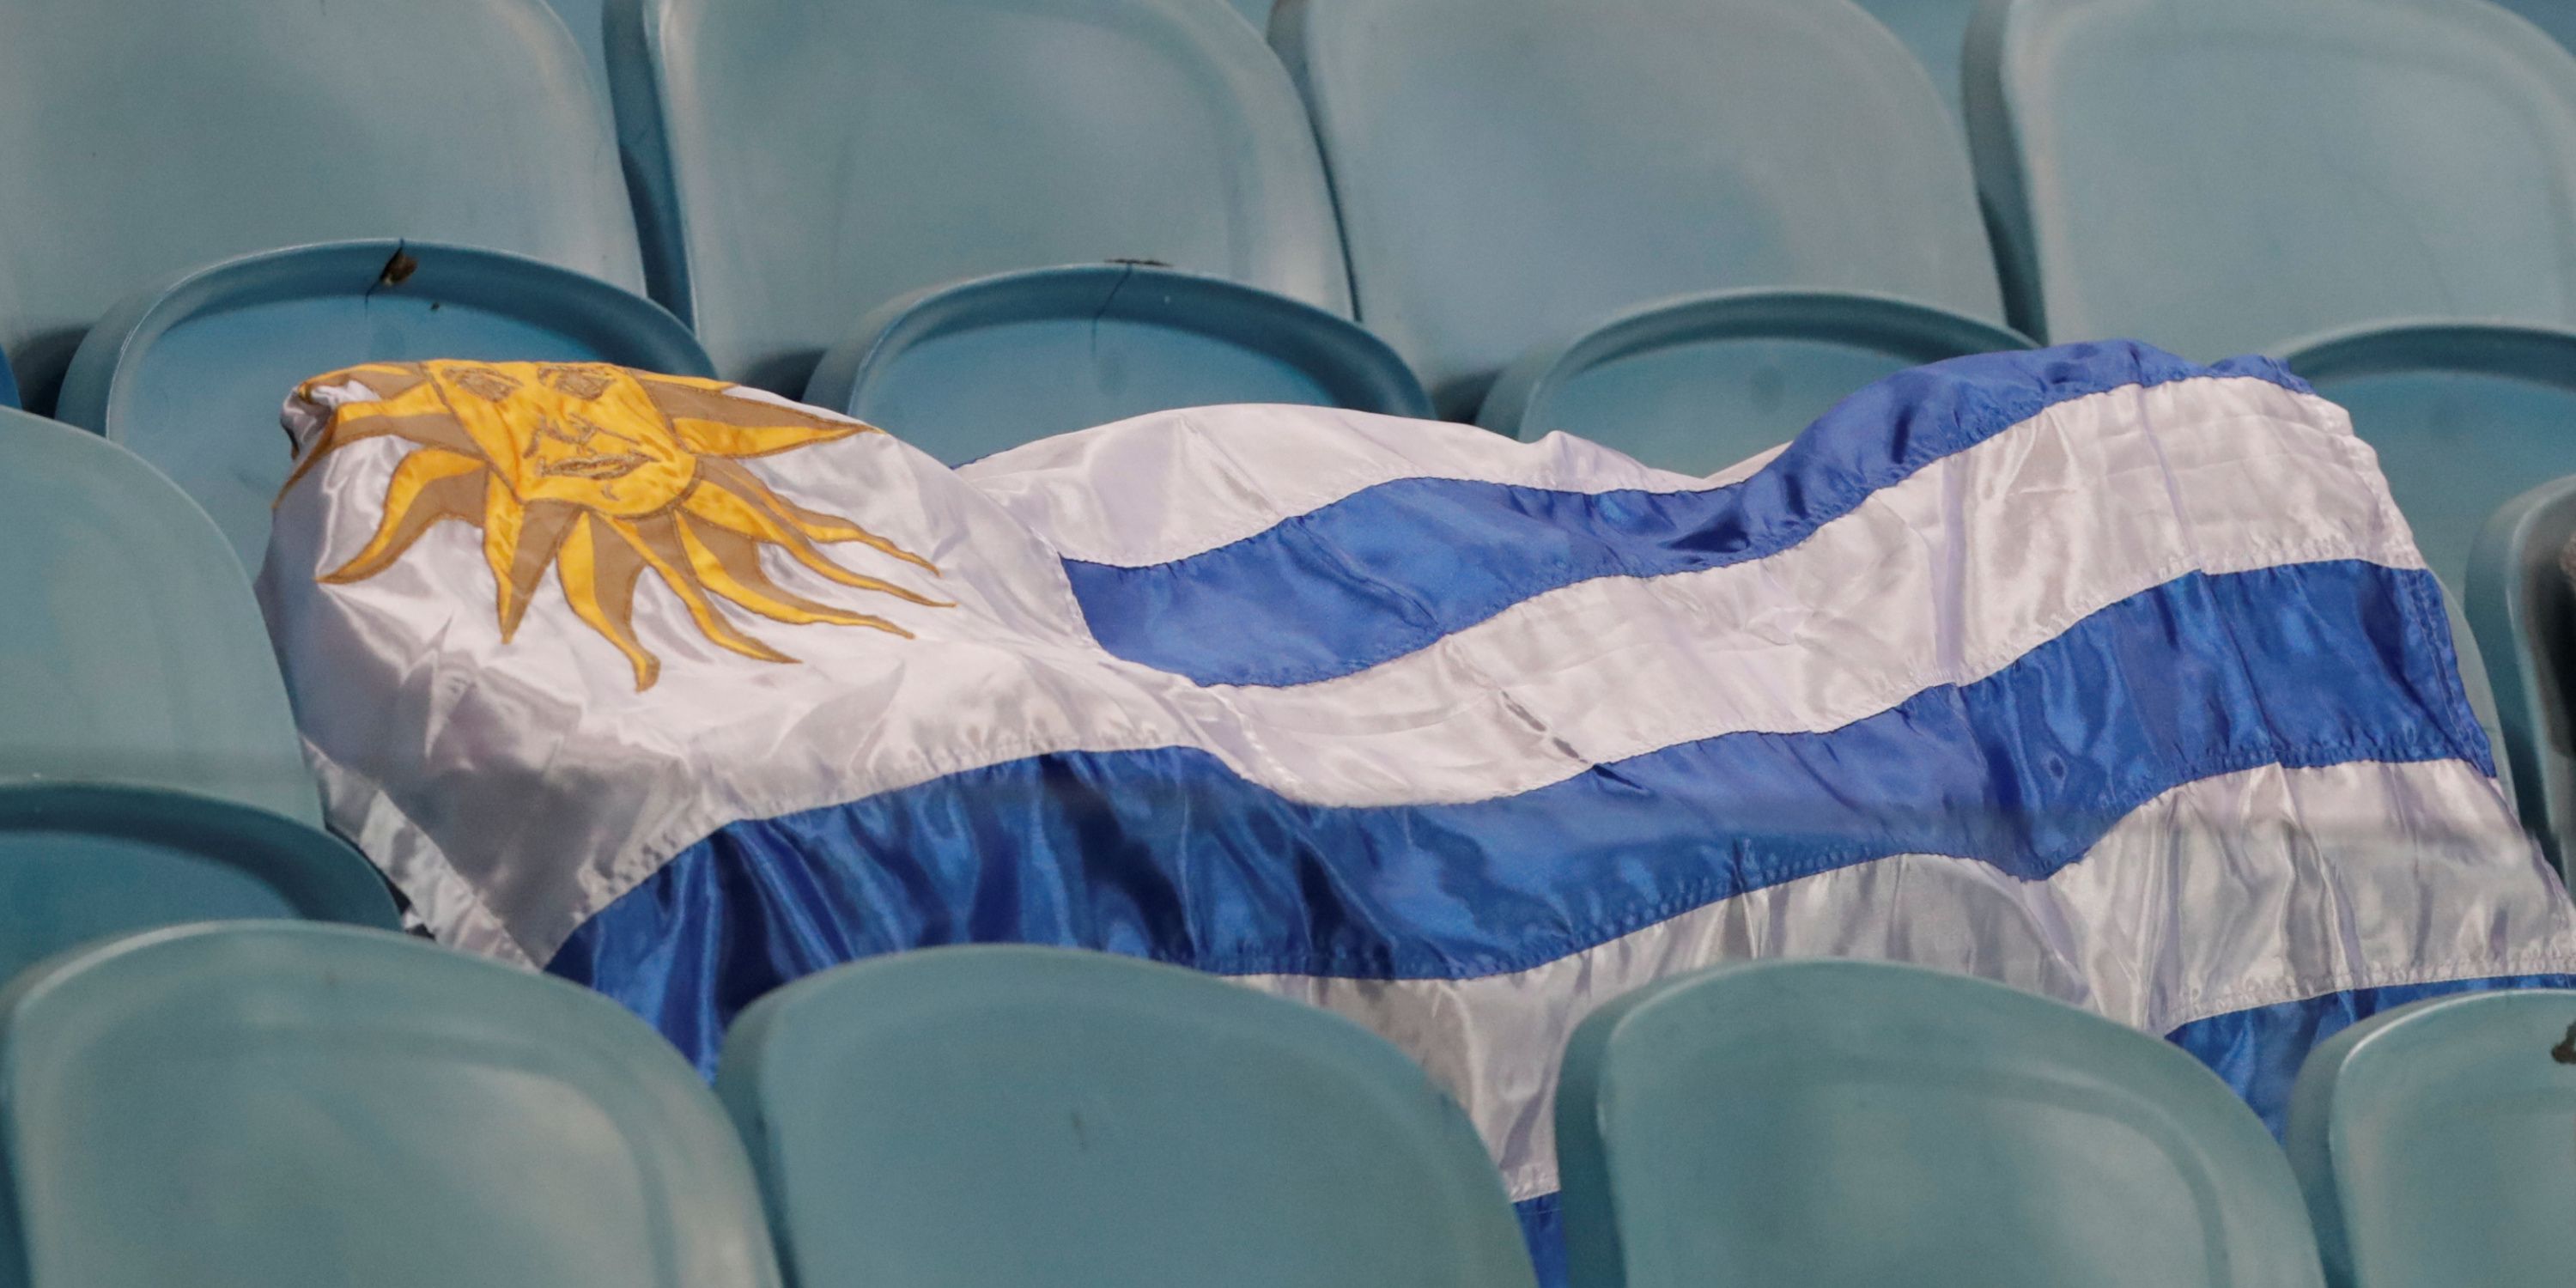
(1386,571)
(515,789)
(1166,854)
(2085,670)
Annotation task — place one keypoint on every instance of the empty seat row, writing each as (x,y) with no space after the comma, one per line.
(255,1104)
(1681,229)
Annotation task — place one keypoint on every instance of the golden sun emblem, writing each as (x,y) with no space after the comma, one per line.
(601,473)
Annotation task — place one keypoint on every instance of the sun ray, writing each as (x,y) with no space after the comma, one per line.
(519,542)
(430,485)
(425,430)
(712,422)
(602,474)
(657,541)
(728,563)
(813,523)
(599,582)
(727,510)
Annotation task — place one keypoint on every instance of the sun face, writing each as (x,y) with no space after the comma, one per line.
(601,474)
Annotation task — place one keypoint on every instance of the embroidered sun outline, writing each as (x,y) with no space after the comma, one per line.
(600,473)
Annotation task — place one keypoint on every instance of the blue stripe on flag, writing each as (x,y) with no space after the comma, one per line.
(1168,854)
(2258,1051)
(1392,568)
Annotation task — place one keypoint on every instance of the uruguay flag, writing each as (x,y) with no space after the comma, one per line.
(2087,670)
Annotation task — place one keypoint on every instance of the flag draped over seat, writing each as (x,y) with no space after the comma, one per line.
(2087,669)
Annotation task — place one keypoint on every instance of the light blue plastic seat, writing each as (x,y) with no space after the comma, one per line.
(966,1117)
(1844,1124)
(2463,416)
(2224,176)
(151,137)
(1935,30)
(132,651)
(584,20)
(1514,173)
(2524,610)
(252,1106)
(2557,17)
(2433,1141)
(966,370)
(1703,382)
(807,161)
(79,863)
(190,374)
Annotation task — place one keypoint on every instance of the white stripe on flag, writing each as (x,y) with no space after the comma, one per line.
(2224,894)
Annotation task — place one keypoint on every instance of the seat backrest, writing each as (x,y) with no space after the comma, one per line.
(81,862)
(1797,1124)
(968,370)
(190,375)
(1009,1115)
(133,652)
(813,159)
(267,1104)
(152,136)
(2229,176)
(1510,171)
(1936,30)
(2557,17)
(2523,606)
(2433,1141)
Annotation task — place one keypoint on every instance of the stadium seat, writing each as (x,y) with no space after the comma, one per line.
(1935,30)
(132,651)
(2226,176)
(806,161)
(584,20)
(1515,173)
(2557,17)
(2433,1141)
(1805,1124)
(249,1106)
(152,137)
(2463,416)
(964,1117)
(190,373)
(2524,610)
(1710,380)
(966,370)
(79,863)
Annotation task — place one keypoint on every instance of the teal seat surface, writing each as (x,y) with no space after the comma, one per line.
(2463,416)
(2222,176)
(1804,1124)
(254,1106)
(2557,17)
(2524,610)
(79,863)
(968,370)
(1511,170)
(176,133)
(2433,1142)
(133,652)
(1009,1115)
(1703,382)
(1935,30)
(809,160)
(190,374)
(584,19)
